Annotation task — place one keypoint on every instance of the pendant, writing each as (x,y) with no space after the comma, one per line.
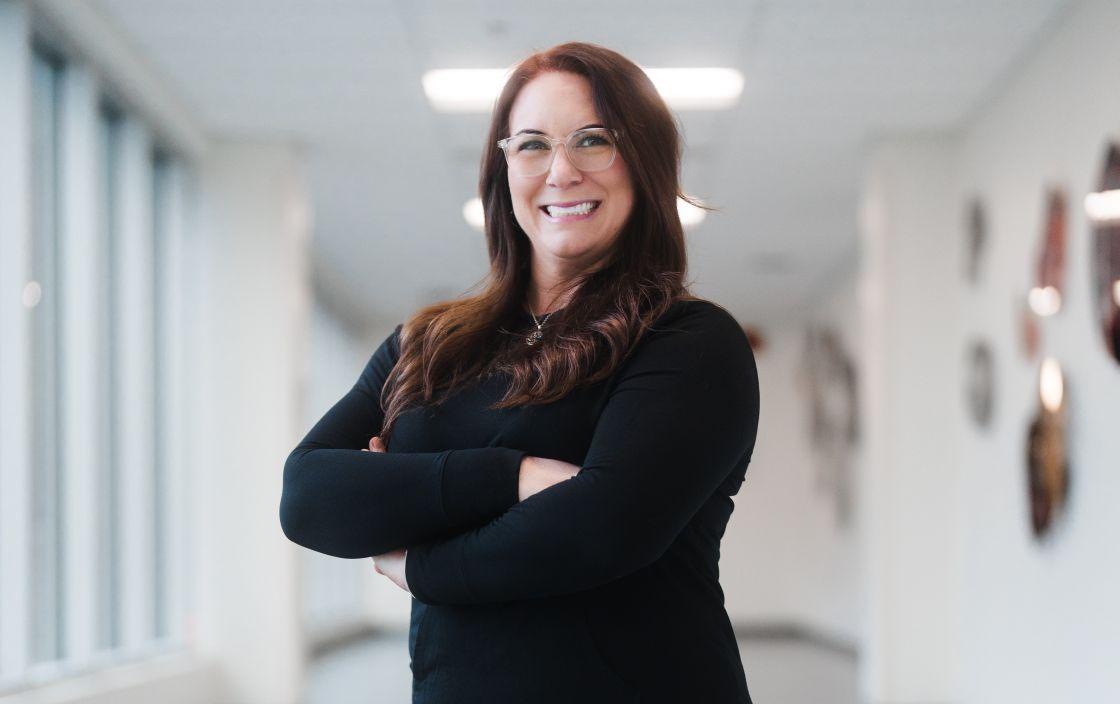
(534,337)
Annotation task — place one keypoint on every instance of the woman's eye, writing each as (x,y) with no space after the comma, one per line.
(532,144)
(592,140)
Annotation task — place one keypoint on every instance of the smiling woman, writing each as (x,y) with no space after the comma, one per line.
(571,195)
(553,458)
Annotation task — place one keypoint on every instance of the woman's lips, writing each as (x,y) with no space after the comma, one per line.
(574,217)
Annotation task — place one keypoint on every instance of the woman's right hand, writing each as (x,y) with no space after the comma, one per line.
(539,473)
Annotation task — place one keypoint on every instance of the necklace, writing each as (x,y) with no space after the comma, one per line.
(535,336)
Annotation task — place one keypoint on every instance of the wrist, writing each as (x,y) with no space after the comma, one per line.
(404,571)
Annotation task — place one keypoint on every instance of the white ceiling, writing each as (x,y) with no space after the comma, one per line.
(389,176)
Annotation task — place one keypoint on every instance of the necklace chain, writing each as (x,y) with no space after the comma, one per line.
(536,335)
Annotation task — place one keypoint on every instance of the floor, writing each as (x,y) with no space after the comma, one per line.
(779,671)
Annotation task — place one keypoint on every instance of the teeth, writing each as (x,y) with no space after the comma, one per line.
(581,209)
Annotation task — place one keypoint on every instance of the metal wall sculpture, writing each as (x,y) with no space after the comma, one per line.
(829,380)
(980,383)
(1048,474)
(976,240)
(1103,211)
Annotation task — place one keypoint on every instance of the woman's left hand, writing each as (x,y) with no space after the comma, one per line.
(390,564)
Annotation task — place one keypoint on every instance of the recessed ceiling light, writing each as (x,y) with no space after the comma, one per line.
(476,89)
(474,214)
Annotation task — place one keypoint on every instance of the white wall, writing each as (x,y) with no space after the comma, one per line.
(248,261)
(1042,621)
(910,393)
(1030,621)
(785,559)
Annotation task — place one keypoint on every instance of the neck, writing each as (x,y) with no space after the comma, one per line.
(544,301)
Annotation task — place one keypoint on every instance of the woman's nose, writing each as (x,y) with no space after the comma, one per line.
(562,172)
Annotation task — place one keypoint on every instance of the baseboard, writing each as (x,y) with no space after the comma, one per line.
(790,630)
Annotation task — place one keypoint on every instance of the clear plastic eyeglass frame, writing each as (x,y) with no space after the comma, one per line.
(503,143)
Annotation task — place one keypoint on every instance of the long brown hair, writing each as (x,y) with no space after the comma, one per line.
(453,343)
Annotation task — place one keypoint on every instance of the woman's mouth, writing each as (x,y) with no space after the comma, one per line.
(581,210)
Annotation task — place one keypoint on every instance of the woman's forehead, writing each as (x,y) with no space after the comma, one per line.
(553,103)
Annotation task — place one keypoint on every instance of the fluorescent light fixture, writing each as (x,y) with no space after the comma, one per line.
(691,216)
(1103,207)
(464,89)
(698,88)
(474,214)
(460,90)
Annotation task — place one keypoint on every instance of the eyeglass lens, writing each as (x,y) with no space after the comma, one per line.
(589,150)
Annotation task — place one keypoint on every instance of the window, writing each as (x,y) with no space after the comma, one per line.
(94,555)
(108,298)
(47,481)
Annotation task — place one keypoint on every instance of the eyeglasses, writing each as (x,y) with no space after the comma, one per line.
(591,149)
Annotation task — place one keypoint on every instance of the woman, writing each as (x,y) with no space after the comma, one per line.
(554,457)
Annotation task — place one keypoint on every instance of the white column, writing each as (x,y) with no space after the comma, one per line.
(80,273)
(910,230)
(248,277)
(15,331)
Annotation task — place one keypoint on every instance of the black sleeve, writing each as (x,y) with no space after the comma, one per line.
(344,502)
(681,418)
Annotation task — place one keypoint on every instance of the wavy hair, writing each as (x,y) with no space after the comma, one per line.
(451,344)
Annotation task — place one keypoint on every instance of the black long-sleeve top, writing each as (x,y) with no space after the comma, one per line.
(602,588)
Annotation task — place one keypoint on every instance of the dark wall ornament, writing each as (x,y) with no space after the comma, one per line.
(829,382)
(1048,473)
(976,240)
(980,383)
(1103,211)
(1049,285)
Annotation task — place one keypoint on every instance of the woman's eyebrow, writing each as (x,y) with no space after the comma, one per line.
(532,131)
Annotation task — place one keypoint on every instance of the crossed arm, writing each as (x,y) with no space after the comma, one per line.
(344,502)
(682,417)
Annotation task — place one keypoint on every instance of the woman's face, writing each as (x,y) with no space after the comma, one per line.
(558,103)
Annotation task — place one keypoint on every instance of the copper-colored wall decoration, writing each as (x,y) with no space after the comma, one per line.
(1103,211)
(756,339)
(829,381)
(976,240)
(1049,283)
(1029,333)
(1048,471)
(980,383)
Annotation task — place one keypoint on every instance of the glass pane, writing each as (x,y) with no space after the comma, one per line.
(47,576)
(161,212)
(109,539)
